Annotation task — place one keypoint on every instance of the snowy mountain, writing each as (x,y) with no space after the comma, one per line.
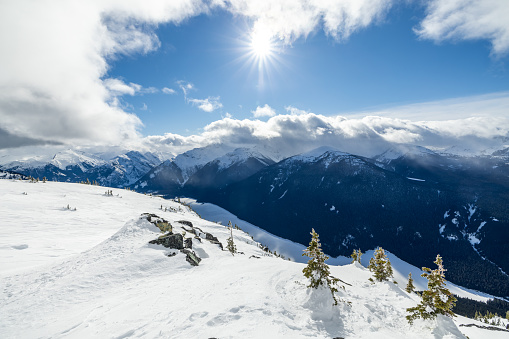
(75,166)
(199,171)
(413,212)
(405,199)
(98,272)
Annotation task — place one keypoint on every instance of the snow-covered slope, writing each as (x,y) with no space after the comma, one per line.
(91,272)
(399,151)
(190,161)
(72,165)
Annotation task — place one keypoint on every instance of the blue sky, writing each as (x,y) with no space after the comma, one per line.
(178,74)
(383,65)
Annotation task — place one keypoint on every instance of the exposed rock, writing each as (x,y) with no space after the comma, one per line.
(191,257)
(191,230)
(218,243)
(163,224)
(199,233)
(491,328)
(175,241)
(185,222)
(188,243)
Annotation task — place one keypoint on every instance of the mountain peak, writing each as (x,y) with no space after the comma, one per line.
(317,153)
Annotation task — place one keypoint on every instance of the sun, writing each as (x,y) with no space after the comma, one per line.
(261,44)
(260,52)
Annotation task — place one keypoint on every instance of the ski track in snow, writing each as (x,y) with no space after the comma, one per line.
(91,273)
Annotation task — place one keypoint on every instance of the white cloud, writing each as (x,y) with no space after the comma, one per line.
(265,111)
(185,87)
(367,136)
(486,105)
(118,87)
(144,107)
(207,105)
(468,20)
(56,52)
(167,90)
(295,111)
(288,20)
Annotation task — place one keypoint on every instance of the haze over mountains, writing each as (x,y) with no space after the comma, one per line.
(409,199)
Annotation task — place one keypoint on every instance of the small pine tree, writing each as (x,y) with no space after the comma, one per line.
(317,271)
(356,256)
(44,179)
(437,299)
(380,265)
(410,285)
(230,245)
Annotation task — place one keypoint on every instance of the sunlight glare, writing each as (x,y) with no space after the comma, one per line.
(261,43)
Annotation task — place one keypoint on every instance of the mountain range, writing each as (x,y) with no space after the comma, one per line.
(410,200)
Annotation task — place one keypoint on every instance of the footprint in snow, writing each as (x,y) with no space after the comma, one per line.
(20,247)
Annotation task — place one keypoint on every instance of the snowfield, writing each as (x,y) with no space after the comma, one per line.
(91,273)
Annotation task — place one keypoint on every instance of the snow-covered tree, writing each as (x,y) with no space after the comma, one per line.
(356,256)
(410,285)
(317,271)
(380,265)
(230,245)
(437,299)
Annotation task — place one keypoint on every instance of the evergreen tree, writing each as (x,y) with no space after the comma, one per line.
(230,245)
(317,271)
(380,265)
(356,256)
(410,286)
(437,299)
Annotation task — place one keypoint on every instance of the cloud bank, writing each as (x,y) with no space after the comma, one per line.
(367,136)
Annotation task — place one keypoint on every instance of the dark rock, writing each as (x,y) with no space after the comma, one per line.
(188,243)
(175,241)
(254,256)
(210,237)
(172,254)
(162,224)
(185,222)
(218,243)
(191,230)
(191,257)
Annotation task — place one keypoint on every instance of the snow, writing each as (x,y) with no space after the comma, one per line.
(441,228)
(473,239)
(281,197)
(70,157)
(190,161)
(316,153)
(91,273)
(402,150)
(332,208)
(415,179)
(481,226)
(239,155)
(471,211)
